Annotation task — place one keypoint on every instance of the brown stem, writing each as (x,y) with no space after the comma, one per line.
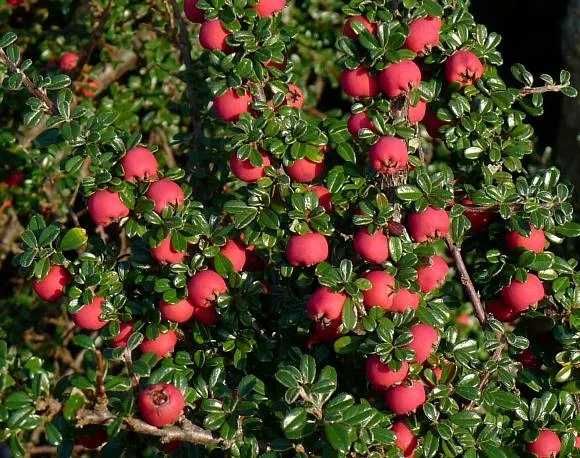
(101,405)
(466,280)
(542,89)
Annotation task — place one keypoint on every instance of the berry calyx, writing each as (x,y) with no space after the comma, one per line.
(547,445)
(213,36)
(52,287)
(389,155)
(359,83)
(406,440)
(164,193)
(180,312)
(304,170)
(463,68)
(230,105)
(160,404)
(399,78)
(139,164)
(405,399)
(520,296)
(294,96)
(381,376)
(307,249)
(428,224)
(162,345)
(432,275)
(165,254)
(106,207)
(244,170)
(380,293)
(425,340)
(535,241)
(88,317)
(325,304)
(204,288)
(423,35)
(235,252)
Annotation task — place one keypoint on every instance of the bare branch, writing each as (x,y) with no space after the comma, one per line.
(542,89)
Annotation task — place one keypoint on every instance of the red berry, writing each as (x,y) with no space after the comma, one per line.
(405,399)
(479,219)
(68,61)
(51,288)
(324,332)
(89,316)
(381,376)
(520,296)
(235,252)
(359,83)
(325,303)
(139,164)
(380,293)
(406,440)
(165,193)
(14,179)
(359,121)
(389,155)
(161,404)
(162,345)
(121,339)
(348,31)
(547,445)
(397,79)
(577,442)
(501,311)
(463,68)
(213,36)
(535,241)
(106,207)
(245,171)
(324,196)
(304,170)
(307,249)
(429,224)
(165,254)
(180,312)
(15,2)
(371,247)
(417,112)
(205,315)
(229,106)
(267,8)
(204,288)
(432,275)
(528,359)
(192,12)
(423,34)
(404,299)
(432,124)
(294,96)
(425,340)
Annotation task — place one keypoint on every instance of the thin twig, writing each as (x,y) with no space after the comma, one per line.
(542,89)
(466,280)
(101,404)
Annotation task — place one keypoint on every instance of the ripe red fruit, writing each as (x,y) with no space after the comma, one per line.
(432,275)
(397,79)
(294,96)
(89,316)
(348,31)
(304,170)
(161,404)
(162,345)
(14,179)
(406,440)
(380,293)
(213,36)
(403,300)
(405,399)
(229,106)
(381,376)
(425,340)
(106,207)
(463,68)
(204,287)
(205,315)
(68,61)
(359,121)
(15,2)
(417,112)
(389,155)
(165,193)
(121,339)
(235,251)
(528,359)
(535,242)
(139,164)
(423,34)
(479,220)
(192,12)
(432,124)
(359,83)
(324,196)
(325,303)
(165,254)
(501,311)
(547,445)
(180,312)
(371,247)
(307,249)
(245,171)
(520,296)
(267,8)
(324,332)
(429,224)
(51,288)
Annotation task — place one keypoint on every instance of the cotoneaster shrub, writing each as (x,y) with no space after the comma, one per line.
(226,270)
